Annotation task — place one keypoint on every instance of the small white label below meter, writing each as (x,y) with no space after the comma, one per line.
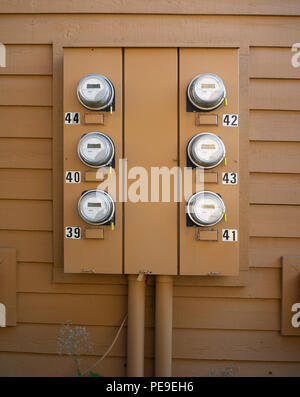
(230,120)
(229,235)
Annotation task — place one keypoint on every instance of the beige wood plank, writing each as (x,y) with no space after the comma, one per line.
(259,314)
(151,30)
(229,313)
(274,125)
(28,59)
(26,90)
(272,62)
(25,153)
(261,283)
(220,368)
(234,345)
(281,157)
(25,122)
(264,7)
(274,188)
(276,94)
(193,344)
(26,215)
(26,184)
(32,246)
(274,221)
(267,251)
(67,307)
(37,277)
(24,365)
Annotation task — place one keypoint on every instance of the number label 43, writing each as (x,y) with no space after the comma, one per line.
(229,178)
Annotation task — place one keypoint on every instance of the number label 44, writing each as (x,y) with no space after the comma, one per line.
(230,120)
(229,235)
(73,232)
(72,118)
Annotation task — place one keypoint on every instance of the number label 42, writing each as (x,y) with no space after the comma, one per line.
(230,120)
(73,232)
(229,235)
(229,178)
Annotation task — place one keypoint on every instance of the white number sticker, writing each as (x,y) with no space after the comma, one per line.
(73,232)
(229,235)
(73,177)
(72,118)
(229,178)
(230,120)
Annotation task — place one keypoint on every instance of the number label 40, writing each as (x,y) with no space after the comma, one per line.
(229,178)
(229,235)
(230,120)
(73,232)
(73,177)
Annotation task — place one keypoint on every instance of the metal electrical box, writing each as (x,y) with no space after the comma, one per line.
(180,110)
(211,250)
(88,247)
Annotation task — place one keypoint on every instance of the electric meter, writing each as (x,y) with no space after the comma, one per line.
(96,149)
(96,207)
(205,208)
(95,92)
(206,91)
(206,150)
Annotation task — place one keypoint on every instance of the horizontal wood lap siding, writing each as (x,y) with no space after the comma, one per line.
(25,90)
(217,330)
(26,121)
(264,7)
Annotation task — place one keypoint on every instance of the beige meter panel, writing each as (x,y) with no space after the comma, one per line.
(150,111)
(209,145)
(92,137)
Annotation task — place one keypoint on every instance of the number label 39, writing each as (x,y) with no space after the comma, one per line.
(73,232)
(229,235)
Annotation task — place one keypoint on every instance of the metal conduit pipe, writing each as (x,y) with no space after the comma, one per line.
(136,325)
(163,325)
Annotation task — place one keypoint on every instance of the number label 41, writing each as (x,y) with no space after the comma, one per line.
(229,235)
(230,120)
(73,232)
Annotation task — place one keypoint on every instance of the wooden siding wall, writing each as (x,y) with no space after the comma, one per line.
(220,330)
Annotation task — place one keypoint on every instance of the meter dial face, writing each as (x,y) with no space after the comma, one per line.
(205,208)
(96,149)
(206,91)
(96,207)
(95,92)
(206,150)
